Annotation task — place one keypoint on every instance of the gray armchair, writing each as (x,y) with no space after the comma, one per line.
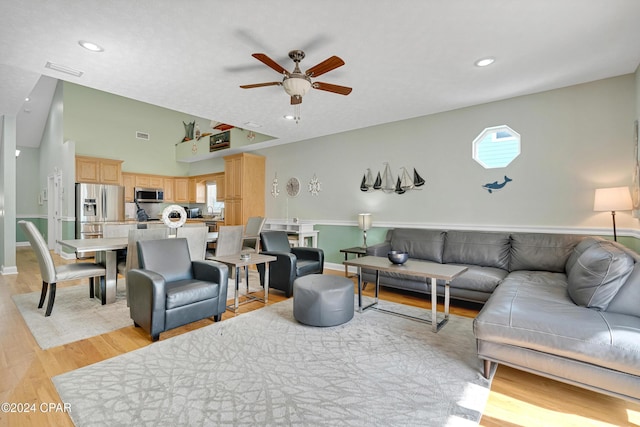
(291,262)
(170,290)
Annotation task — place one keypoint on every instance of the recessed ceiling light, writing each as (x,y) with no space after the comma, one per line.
(289,117)
(91,46)
(27,99)
(484,62)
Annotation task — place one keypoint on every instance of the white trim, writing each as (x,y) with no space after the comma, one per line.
(592,231)
(8,270)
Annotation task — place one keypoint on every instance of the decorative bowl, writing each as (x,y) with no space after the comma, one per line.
(398,257)
(245,256)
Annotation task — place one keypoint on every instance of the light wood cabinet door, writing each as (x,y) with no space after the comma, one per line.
(87,170)
(167,186)
(110,172)
(142,181)
(220,190)
(129,182)
(244,187)
(156,182)
(98,171)
(181,190)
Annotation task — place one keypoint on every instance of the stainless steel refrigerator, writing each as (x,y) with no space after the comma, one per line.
(97,204)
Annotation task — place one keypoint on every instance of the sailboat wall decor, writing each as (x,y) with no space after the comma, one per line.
(385,182)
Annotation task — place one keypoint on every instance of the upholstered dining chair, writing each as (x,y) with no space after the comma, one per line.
(52,274)
(290,263)
(251,240)
(132,248)
(197,238)
(229,240)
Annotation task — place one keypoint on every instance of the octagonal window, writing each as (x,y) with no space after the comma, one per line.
(496,147)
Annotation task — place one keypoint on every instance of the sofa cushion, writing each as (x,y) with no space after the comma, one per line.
(578,250)
(626,300)
(538,314)
(478,278)
(541,252)
(478,248)
(185,292)
(597,275)
(420,243)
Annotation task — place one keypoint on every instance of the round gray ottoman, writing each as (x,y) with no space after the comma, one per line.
(322,300)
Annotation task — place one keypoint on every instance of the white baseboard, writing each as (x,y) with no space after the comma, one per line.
(5,270)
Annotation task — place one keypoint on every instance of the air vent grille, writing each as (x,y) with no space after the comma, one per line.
(142,135)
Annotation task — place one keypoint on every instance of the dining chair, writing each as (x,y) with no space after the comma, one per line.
(251,240)
(118,230)
(196,238)
(229,240)
(132,248)
(52,274)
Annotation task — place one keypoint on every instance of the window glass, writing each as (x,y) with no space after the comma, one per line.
(214,207)
(496,147)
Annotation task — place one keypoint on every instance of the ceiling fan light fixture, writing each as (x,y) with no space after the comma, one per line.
(296,86)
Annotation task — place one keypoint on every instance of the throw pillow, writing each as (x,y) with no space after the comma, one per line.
(597,275)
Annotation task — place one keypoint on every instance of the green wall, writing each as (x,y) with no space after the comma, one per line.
(104,125)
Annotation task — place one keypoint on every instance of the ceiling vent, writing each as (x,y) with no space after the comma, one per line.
(142,135)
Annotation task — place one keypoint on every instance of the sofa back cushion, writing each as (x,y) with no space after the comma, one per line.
(541,252)
(420,243)
(578,250)
(597,275)
(485,249)
(628,296)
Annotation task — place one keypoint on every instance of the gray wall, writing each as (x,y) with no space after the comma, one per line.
(574,140)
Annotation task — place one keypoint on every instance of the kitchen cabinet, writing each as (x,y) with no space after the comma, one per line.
(149,181)
(167,186)
(244,187)
(129,182)
(181,190)
(98,171)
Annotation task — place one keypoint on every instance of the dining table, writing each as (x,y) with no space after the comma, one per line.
(106,249)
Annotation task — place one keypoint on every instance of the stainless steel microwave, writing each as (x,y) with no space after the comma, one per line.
(149,195)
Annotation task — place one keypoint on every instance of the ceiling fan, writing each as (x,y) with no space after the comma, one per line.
(297,83)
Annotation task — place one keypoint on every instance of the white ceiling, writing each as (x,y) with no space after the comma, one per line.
(405,58)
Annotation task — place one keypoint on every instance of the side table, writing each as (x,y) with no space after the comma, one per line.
(357,251)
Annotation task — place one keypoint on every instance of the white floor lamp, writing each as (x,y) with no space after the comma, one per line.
(613,199)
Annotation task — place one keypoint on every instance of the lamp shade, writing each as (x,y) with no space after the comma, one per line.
(613,199)
(364,221)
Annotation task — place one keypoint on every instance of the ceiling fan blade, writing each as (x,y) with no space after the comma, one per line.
(296,100)
(325,66)
(261,85)
(270,63)
(342,90)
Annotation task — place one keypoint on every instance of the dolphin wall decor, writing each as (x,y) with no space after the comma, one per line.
(494,186)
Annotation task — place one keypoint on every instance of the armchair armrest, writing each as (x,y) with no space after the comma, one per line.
(212,271)
(282,271)
(312,254)
(147,299)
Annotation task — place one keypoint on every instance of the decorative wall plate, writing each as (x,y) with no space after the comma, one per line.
(293,187)
(315,185)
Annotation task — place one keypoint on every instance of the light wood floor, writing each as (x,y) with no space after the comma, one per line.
(517,398)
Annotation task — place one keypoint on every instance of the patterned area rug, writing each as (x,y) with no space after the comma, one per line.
(75,316)
(264,368)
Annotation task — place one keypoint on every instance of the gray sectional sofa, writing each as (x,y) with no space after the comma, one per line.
(558,305)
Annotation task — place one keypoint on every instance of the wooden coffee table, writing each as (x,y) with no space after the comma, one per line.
(426,269)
